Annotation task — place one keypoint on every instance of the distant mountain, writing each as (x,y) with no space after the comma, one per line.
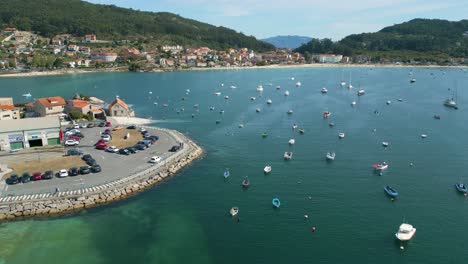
(291,42)
(51,17)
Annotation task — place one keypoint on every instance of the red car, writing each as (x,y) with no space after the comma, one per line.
(74,138)
(36,176)
(101,141)
(108,124)
(101,146)
(107,131)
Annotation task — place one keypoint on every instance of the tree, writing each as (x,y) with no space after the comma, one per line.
(75,114)
(12,64)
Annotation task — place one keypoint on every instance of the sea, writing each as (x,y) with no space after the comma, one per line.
(349,219)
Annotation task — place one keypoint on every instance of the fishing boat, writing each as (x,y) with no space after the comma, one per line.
(361,92)
(298,84)
(258,110)
(288,155)
(252,98)
(267,169)
(276,202)
(390,191)
(380,166)
(324,90)
(290,112)
(301,131)
(27,95)
(226,173)
(269,101)
(217,93)
(405,232)
(330,155)
(385,144)
(450,102)
(260,88)
(341,135)
(234,211)
(326,114)
(246,182)
(264,134)
(286,93)
(461,187)
(292,141)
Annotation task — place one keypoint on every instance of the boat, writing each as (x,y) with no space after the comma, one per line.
(226,173)
(385,144)
(276,202)
(246,182)
(233,87)
(260,88)
(330,155)
(278,87)
(252,98)
(450,102)
(324,90)
(326,114)
(292,141)
(342,83)
(301,131)
(150,92)
(436,116)
(288,155)
(412,80)
(267,169)
(27,95)
(212,108)
(361,92)
(423,136)
(165,105)
(380,166)
(264,134)
(350,86)
(222,84)
(241,125)
(218,121)
(390,191)
(298,84)
(286,93)
(269,101)
(196,106)
(294,126)
(405,232)
(226,97)
(353,103)
(341,135)
(292,78)
(461,187)
(234,211)
(221,111)
(331,124)
(188,90)
(400,100)
(290,112)
(217,93)
(388,102)
(258,110)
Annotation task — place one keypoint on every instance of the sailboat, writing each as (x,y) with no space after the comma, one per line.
(27,95)
(350,86)
(451,102)
(342,83)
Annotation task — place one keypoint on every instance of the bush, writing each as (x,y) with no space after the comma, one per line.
(75,115)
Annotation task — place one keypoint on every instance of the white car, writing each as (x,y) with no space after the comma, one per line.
(71,142)
(82,125)
(155,159)
(106,137)
(142,129)
(76,126)
(112,149)
(63,173)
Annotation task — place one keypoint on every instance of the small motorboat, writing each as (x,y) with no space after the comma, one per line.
(246,182)
(350,86)
(385,143)
(298,84)
(405,232)
(221,111)
(212,108)
(290,112)
(436,117)
(218,121)
(286,93)
(461,187)
(331,124)
(269,101)
(324,90)
(388,102)
(267,169)
(301,131)
(217,93)
(226,97)
(278,87)
(380,166)
(330,155)
(326,114)
(252,98)
(264,134)
(294,127)
(353,103)
(234,211)
(400,100)
(27,95)
(150,92)
(423,136)
(233,87)
(361,92)
(413,80)
(276,202)
(226,173)
(292,141)
(390,191)
(292,78)
(288,155)
(258,110)
(165,105)
(342,83)
(241,125)
(341,135)
(188,90)
(222,85)
(196,106)
(260,88)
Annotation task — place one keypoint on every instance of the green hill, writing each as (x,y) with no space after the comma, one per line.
(51,17)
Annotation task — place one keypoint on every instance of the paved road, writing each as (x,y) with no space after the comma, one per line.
(114,166)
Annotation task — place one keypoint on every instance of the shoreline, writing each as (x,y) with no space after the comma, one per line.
(61,203)
(275,66)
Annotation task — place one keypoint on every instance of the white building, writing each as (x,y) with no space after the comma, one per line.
(328,58)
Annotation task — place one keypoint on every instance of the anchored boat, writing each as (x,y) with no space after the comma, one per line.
(246,182)
(276,202)
(288,155)
(331,155)
(405,232)
(461,187)
(380,166)
(390,191)
(234,211)
(267,169)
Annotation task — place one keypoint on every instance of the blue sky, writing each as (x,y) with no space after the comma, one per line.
(315,18)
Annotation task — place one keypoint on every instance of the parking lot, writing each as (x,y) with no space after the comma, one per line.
(114,166)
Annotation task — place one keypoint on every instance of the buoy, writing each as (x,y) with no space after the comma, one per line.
(313,229)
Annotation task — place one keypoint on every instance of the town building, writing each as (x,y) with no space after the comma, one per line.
(9,112)
(30,132)
(9,30)
(78,105)
(49,106)
(104,56)
(173,49)
(89,38)
(328,58)
(120,108)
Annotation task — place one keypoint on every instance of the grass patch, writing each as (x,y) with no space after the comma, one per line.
(54,164)
(118,138)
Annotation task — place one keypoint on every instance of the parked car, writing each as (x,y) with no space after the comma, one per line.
(145,143)
(78,134)
(102,124)
(76,126)
(63,173)
(139,147)
(13,179)
(26,177)
(174,148)
(142,129)
(73,171)
(101,141)
(106,137)
(155,159)
(124,152)
(86,157)
(132,150)
(90,125)
(36,176)
(71,142)
(101,146)
(131,127)
(108,124)
(112,149)
(73,137)
(96,168)
(83,125)
(74,152)
(84,170)
(91,162)
(107,131)
(47,175)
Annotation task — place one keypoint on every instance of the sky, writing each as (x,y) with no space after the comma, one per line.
(333,19)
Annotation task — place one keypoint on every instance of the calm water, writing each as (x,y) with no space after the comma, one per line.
(185,219)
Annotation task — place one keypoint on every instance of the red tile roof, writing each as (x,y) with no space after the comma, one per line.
(120,102)
(7,107)
(78,103)
(51,101)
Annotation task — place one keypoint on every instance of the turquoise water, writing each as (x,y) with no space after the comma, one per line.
(186,220)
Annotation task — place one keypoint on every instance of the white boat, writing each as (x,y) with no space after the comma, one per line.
(234,211)
(292,78)
(286,93)
(353,103)
(342,83)
(298,84)
(212,108)
(450,103)
(260,88)
(413,80)
(350,86)
(423,136)
(288,155)
(269,101)
(400,100)
(388,102)
(361,92)
(381,166)
(385,143)
(341,135)
(292,141)
(267,169)
(226,97)
(217,93)
(258,110)
(330,155)
(188,90)
(290,112)
(27,95)
(405,232)
(150,92)
(294,127)
(278,87)
(252,98)
(241,125)
(226,173)
(324,90)
(233,87)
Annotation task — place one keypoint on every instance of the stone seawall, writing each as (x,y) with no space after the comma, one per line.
(57,204)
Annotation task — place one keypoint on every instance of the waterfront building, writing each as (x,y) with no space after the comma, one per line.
(104,56)
(120,108)
(49,106)
(328,58)
(81,106)
(30,132)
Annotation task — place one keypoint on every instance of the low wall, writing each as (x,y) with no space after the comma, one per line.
(67,202)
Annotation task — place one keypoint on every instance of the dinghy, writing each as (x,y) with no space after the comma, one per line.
(390,191)
(234,211)
(330,155)
(288,155)
(246,182)
(461,187)
(276,202)
(226,173)
(267,169)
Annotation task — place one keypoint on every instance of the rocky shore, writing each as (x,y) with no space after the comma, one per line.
(59,205)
